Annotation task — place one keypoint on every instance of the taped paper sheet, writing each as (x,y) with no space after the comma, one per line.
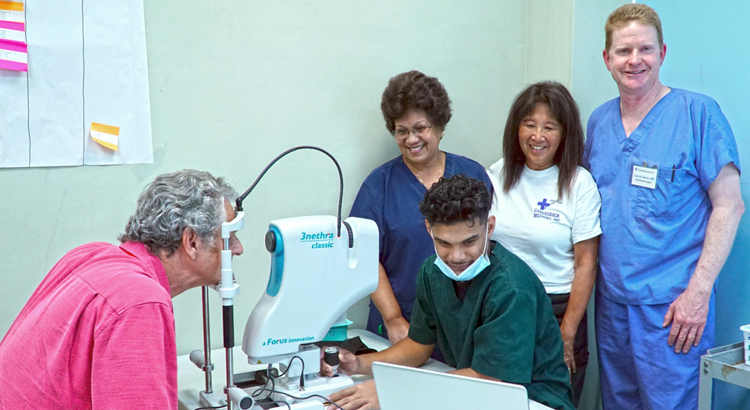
(86,63)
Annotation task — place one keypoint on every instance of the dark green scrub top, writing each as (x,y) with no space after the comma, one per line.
(504,328)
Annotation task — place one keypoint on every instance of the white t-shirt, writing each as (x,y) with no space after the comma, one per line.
(534,224)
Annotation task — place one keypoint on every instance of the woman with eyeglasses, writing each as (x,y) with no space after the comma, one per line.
(416,109)
(546,209)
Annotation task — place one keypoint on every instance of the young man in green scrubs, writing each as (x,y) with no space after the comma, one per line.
(481,304)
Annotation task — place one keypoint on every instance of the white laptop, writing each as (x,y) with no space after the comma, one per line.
(401,387)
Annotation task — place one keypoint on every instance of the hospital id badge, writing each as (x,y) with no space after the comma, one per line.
(644,177)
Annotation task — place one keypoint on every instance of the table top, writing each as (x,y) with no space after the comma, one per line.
(191,380)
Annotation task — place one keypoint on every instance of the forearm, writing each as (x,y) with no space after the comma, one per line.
(585,253)
(469,372)
(407,352)
(580,294)
(726,200)
(720,234)
(384,298)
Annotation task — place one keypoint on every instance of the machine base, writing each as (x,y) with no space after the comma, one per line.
(215,399)
(323,386)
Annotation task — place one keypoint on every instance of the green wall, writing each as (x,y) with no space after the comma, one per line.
(235,83)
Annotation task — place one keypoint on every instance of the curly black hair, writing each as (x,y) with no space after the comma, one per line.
(456,199)
(415,91)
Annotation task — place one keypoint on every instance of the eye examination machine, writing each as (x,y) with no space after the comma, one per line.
(320,266)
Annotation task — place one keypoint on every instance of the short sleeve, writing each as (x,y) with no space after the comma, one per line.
(482,176)
(369,204)
(586,223)
(135,360)
(717,145)
(504,343)
(422,326)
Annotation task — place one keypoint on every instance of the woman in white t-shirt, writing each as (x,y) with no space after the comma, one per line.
(547,209)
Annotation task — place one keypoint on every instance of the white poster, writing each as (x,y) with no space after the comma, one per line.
(86,64)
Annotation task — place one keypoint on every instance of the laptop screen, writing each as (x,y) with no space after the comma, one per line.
(401,387)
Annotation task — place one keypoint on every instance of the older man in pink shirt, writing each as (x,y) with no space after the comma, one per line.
(98,332)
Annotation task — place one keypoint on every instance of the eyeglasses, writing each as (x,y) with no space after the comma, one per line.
(419,131)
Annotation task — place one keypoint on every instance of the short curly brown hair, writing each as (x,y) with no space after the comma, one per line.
(415,91)
(456,199)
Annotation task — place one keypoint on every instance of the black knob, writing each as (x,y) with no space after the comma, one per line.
(271,241)
(331,356)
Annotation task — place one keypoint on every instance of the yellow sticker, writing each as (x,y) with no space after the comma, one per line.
(12,11)
(11,5)
(106,135)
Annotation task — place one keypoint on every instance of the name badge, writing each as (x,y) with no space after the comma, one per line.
(644,177)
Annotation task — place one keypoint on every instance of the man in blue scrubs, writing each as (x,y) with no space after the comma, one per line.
(666,164)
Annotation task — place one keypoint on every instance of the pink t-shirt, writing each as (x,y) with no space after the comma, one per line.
(97,333)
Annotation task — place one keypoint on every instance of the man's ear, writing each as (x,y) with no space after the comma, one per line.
(427,226)
(490,226)
(190,243)
(605,55)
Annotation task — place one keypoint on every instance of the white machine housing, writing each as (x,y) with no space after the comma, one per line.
(315,277)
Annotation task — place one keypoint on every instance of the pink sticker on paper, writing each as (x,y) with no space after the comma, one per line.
(12,31)
(13,56)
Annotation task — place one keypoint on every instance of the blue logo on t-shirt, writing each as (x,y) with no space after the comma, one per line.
(549,215)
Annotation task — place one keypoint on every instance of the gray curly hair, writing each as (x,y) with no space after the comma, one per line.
(176,201)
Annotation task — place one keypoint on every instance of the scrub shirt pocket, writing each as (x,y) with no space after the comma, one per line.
(666,200)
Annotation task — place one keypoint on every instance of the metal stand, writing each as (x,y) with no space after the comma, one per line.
(726,363)
(209,366)
(228,290)
(208,397)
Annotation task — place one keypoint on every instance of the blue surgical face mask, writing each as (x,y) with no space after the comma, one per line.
(472,271)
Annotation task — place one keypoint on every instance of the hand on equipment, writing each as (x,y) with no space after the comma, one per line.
(360,397)
(348,363)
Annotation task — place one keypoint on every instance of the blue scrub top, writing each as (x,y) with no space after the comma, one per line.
(390,196)
(652,238)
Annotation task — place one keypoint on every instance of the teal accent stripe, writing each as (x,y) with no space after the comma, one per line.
(277,265)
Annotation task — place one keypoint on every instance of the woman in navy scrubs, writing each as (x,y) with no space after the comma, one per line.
(416,109)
